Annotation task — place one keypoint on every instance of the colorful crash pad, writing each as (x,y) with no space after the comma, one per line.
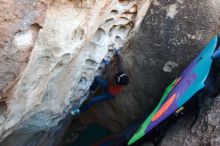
(191,81)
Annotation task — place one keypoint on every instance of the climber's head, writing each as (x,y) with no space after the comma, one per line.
(121,78)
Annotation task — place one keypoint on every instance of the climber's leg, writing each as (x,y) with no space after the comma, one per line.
(99,81)
(95,100)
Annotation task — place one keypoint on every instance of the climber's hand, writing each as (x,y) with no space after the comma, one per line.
(117,51)
(105,61)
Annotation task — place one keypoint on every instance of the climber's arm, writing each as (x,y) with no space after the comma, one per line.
(119,59)
(109,71)
(120,63)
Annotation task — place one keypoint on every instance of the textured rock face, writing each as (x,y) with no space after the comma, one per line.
(50,52)
(20,22)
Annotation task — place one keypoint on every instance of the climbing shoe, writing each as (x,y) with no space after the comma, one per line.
(75,112)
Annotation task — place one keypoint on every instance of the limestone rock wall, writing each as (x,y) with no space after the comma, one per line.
(20,22)
(50,52)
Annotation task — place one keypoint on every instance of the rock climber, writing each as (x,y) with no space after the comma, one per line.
(110,87)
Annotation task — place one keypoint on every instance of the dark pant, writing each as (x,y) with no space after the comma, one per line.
(98,81)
